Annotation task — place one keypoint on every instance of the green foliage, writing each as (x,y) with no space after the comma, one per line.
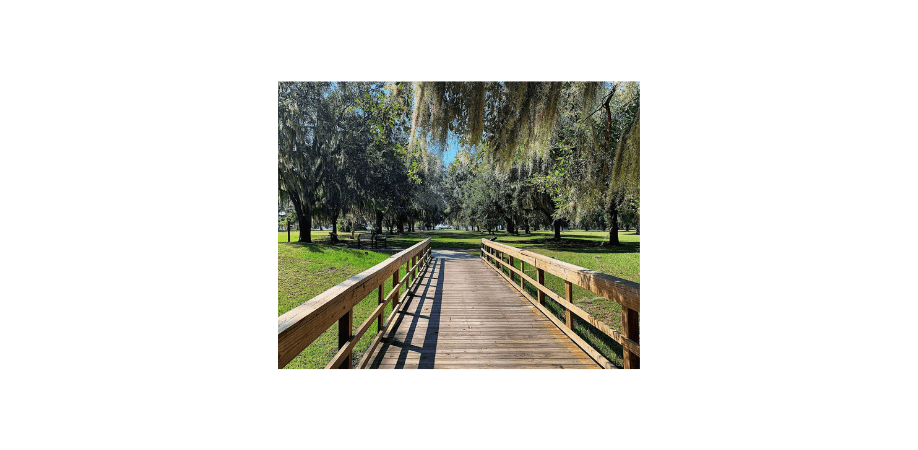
(343,154)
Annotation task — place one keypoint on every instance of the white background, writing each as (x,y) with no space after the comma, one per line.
(138,187)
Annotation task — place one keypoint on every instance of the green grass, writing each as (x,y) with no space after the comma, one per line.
(295,235)
(577,247)
(306,270)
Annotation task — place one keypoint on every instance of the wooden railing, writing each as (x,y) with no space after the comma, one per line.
(299,327)
(626,293)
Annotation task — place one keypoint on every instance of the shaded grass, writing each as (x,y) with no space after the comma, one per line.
(306,270)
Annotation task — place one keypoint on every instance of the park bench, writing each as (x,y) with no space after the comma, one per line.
(363,239)
(374,239)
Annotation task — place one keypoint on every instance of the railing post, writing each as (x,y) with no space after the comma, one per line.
(379,319)
(394,285)
(522,283)
(345,328)
(541,275)
(512,263)
(569,296)
(631,330)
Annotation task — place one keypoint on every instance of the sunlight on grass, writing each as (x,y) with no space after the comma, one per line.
(307,270)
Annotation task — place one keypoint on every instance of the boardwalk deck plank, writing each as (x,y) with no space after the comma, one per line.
(463,316)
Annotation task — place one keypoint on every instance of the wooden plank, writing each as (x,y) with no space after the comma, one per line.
(390,321)
(473,318)
(300,326)
(440,365)
(344,353)
(601,360)
(601,326)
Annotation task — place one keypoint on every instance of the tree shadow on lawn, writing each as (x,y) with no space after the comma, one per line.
(316,247)
(579,246)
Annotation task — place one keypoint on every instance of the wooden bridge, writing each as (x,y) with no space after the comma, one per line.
(457,311)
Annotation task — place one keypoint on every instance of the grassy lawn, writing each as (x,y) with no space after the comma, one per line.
(295,235)
(306,270)
(577,247)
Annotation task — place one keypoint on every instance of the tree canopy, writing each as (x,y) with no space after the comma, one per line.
(533,153)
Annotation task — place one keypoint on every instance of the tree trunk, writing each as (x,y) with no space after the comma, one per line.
(378,228)
(334,233)
(302,217)
(306,226)
(526,226)
(557,225)
(613,220)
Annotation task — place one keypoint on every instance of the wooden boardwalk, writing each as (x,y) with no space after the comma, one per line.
(464,316)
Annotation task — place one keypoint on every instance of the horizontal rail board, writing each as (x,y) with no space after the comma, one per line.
(425,261)
(601,360)
(615,335)
(300,326)
(627,293)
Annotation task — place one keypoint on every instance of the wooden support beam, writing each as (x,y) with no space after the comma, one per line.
(379,318)
(627,293)
(631,330)
(395,286)
(541,276)
(589,350)
(523,270)
(391,319)
(299,327)
(569,296)
(345,328)
(626,343)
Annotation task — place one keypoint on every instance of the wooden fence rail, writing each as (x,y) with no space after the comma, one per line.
(626,293)
(299,327)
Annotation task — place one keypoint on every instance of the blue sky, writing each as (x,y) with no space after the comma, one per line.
(449,155)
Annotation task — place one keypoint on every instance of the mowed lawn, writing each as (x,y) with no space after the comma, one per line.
(577,247)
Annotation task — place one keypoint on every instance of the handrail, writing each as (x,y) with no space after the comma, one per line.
(624,292)
(300,326)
